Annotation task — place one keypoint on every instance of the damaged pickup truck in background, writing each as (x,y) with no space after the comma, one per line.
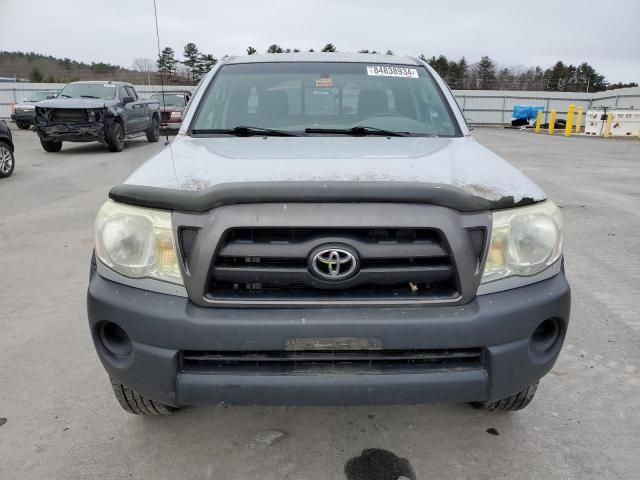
(96,111)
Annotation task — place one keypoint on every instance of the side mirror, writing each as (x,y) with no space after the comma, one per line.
(126,100)
(50,96)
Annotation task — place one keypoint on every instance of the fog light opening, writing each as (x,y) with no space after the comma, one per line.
(115,339)
(545,336)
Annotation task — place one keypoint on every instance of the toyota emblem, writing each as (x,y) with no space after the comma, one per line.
(333,263)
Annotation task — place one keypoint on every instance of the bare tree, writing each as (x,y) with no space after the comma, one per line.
(144,65)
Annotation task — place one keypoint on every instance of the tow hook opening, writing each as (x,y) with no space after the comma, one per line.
(114,339)
(546,337)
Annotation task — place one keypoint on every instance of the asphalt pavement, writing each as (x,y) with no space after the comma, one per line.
(59,420)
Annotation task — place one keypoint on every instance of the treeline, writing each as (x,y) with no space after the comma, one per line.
(193,64)
(38,68)
(487,75)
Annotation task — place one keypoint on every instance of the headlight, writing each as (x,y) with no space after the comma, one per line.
(176,116)
(137,242)
(524,241)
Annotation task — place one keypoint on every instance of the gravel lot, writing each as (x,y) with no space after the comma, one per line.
(62,421)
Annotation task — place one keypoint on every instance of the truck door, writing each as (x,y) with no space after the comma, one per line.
(135,120)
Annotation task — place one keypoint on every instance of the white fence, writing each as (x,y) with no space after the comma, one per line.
(480,107)
(494,107)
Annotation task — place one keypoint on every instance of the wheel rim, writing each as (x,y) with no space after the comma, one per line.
(6,160)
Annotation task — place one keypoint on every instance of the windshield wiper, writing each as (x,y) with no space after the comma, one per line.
(242,131)
(64,95)
(88,96)
(358,131)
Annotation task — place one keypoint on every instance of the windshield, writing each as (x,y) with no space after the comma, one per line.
(170,99)
(105,91)
(38,96)
(297,96)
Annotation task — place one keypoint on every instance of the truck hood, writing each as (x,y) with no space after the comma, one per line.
(200,173)
(62,102)
(26,105)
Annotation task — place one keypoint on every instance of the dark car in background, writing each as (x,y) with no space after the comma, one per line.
(23,113)
(106,112)
(171,107)
(7,160)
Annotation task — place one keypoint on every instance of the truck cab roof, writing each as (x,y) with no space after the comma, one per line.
(333,57)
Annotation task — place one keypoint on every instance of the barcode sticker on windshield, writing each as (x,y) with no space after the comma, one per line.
(391,71)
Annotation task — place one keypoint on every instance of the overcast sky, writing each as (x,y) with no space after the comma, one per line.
(604,33)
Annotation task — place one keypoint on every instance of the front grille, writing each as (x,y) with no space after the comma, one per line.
(273,264)
(330,361)
(165,116)
(69,115)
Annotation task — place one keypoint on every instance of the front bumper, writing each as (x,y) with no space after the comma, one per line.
(171,125)
(161,327)
(23,116)
(72,132)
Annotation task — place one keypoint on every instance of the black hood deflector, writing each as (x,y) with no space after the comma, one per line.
(308,192)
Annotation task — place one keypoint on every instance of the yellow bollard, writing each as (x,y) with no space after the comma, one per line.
(579,120)
(538,121)
(552,122)
(607,125)
(569,126)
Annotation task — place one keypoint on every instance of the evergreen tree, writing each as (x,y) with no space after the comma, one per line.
(192,59)
(329,47)
(35,76)
(486,70)
(275,48)
(504,79)
(440,65)
(251,51)
(458,72)
(587,77)
(167,62)
(206,62)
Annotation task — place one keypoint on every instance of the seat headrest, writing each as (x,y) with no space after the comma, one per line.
(273,102)
(372,101)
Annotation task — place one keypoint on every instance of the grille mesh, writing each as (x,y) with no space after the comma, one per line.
(187,237)
(477,236)
(69,115)
(335,361)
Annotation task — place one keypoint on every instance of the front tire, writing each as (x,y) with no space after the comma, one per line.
(134,403)
(153,134)
(51,146)
(7,160)
(513,403)
(115,137)
(23,125)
